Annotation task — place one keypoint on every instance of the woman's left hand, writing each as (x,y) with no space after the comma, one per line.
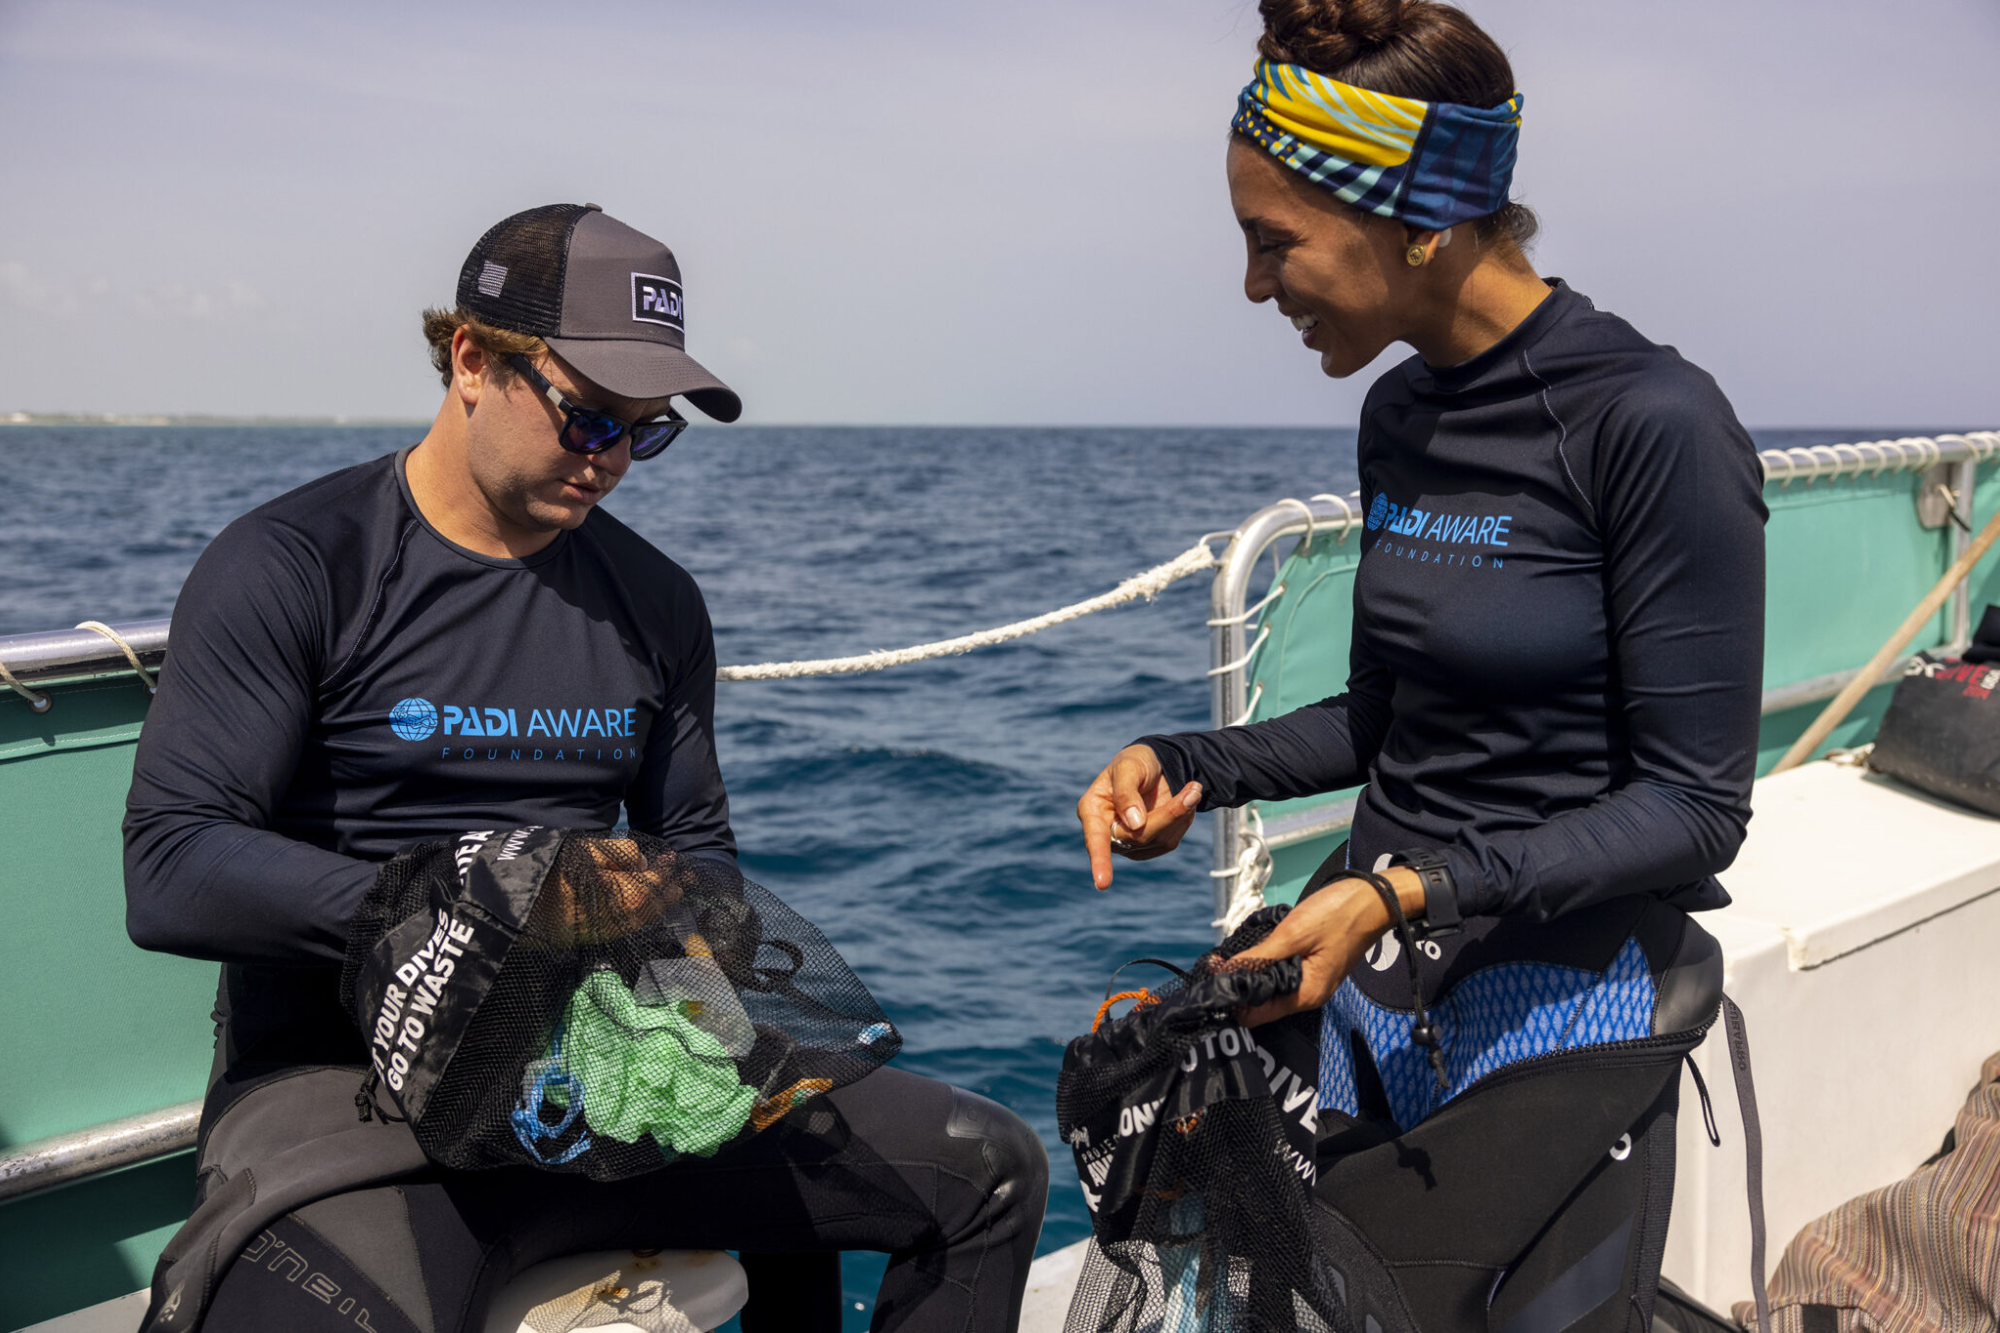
(1329,932)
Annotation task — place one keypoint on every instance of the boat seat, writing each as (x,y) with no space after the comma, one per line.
(623,1291)
(610,1291)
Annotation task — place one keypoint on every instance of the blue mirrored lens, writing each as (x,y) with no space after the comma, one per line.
(587,432)
(654,436)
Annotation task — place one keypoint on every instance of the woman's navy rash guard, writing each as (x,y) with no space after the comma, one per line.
(1558,628)
(342,680)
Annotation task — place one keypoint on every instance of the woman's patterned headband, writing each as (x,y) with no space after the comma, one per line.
(1432,164)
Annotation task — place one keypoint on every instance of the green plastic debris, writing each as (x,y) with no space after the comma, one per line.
(651,1071)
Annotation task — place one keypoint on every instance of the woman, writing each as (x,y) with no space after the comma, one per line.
(1552,694)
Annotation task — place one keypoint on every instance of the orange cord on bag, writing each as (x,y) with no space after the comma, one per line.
(1141,999)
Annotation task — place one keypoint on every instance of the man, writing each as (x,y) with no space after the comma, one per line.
(454,637)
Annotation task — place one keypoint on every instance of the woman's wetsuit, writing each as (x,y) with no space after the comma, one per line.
(1554,685)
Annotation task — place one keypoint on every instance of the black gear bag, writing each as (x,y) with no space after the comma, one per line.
(594,1003)
(1941,733)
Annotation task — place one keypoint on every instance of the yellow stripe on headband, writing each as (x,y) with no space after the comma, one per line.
(1371,128)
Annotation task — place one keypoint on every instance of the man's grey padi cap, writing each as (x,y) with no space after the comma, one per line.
(606,298)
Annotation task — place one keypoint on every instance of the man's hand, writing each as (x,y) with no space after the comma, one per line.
(618,892)
(1328,933)
(1131,810)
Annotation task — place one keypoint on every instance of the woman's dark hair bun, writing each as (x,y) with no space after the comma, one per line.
(1325,34)
(1407,48)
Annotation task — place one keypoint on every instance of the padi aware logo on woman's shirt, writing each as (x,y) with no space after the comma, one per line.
(1483,531)
(1428,524)
(413,719)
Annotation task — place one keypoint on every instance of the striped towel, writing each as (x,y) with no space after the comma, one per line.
(1920,1256)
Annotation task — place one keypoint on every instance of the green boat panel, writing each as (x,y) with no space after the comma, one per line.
(1305,659)
(98,1028)
(92,1241)
(92,714)
(128,1030)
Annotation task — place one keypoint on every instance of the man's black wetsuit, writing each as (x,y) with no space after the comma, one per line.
(1558,628)
(341,681)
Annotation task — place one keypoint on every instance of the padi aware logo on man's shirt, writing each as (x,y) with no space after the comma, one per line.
(1439,538)
(568,729)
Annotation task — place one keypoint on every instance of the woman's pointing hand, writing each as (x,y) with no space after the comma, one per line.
(1131,810)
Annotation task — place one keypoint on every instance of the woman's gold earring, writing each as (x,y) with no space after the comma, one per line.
(1416,256)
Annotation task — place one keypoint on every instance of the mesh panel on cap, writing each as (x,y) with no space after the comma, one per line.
(533,249)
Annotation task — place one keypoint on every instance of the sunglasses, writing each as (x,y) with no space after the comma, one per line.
(584,431)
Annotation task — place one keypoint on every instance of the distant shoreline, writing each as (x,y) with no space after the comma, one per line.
(188,419)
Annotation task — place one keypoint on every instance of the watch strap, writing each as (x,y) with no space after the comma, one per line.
(1441,913)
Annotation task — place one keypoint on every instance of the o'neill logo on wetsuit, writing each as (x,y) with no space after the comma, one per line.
(1438,538)
(419,720)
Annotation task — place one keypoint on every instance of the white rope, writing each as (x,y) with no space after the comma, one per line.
(1239,618)
(1305,547)
(1263,633)
(1144,585)
(37,702)
(1251,873)
(1911,453)
(132,656)
(1347,519)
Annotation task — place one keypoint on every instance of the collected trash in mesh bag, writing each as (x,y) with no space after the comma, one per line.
(1193,1139)
(594,1003)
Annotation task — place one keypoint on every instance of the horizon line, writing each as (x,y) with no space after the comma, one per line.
(129,420)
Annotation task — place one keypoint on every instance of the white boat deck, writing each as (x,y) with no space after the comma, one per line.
(1864,948)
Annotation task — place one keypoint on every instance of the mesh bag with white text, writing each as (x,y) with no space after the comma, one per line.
(594,1003)
(1193,1139)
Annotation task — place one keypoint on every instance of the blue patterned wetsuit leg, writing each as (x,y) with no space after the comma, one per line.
(1493,1018)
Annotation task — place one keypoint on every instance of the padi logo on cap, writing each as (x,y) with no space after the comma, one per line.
(656,300)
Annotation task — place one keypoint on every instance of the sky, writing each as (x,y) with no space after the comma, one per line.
(924,211)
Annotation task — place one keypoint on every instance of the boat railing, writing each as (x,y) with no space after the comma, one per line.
(62,1158)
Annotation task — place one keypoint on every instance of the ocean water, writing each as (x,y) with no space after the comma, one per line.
(923,817)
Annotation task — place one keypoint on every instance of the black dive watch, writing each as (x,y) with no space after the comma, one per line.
(1441,914)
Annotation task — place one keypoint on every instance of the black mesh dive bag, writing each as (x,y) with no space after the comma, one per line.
(594,1003)
(1193,1140)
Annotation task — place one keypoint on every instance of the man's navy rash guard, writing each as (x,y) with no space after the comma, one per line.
(1558,628)
(342,680)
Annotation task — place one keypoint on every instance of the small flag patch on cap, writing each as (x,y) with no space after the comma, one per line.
(492,277)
